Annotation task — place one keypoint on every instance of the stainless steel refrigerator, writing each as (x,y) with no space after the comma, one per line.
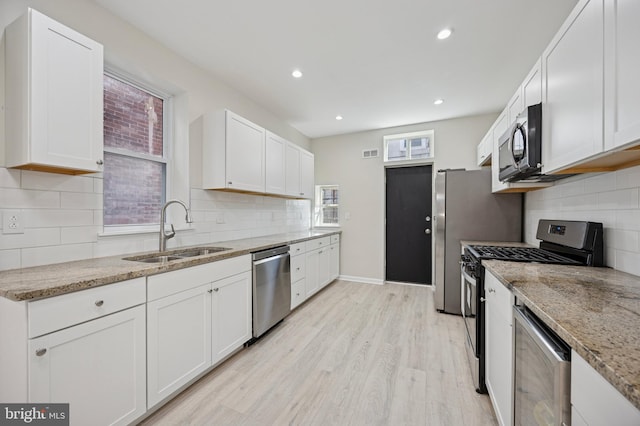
(466,210)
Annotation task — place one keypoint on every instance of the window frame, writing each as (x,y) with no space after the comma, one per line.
(167,151)
(430,133)
(318,221)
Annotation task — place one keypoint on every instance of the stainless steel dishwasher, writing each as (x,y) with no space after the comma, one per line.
(271,288)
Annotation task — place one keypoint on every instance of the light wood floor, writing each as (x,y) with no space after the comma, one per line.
(355,354)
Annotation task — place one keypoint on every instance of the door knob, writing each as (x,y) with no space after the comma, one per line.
(427,231)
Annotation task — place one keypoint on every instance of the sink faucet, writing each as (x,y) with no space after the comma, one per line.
(164,236)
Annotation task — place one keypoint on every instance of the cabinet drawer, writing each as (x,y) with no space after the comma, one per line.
(317,243)
(169,283)
(297,248)
(297,267)
(298,293)
(335,238)
(66,310)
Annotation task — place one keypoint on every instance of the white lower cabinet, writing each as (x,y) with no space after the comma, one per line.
(594,401)
(98,367)
(231,315)
(499,348)
(178,340)
(314,264)
(195,318)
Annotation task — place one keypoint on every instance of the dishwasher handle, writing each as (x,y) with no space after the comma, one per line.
(270,259)
(269,253)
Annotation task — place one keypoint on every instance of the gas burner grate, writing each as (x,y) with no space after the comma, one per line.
(520,254)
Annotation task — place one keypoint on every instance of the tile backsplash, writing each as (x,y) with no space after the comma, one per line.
(62,219)
(610,198)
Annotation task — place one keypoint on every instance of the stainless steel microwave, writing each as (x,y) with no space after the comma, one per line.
(519,154)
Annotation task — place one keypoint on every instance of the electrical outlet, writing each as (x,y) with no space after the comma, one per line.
(12,222)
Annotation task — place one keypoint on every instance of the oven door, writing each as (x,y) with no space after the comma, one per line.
(471,311)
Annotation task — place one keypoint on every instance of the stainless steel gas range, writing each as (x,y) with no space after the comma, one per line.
(562,242)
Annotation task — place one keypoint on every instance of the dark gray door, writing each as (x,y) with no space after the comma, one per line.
(408,225)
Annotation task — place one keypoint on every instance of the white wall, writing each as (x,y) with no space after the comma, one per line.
(62,214)
(339,161)
(611,198)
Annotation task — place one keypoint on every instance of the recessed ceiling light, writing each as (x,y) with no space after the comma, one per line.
(445,33)
(338,117)
(438,101)
(296,73)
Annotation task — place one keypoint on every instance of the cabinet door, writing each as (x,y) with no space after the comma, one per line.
(499,127)
(275,164)
(306,174)
(178,340)
(231,317)
(532,86)
(485,148)
(334,261)
(572,68)
(622,68)
(498,348)
(54,85)
(515,106)
(324,267)
(98,367)
(292,172)
(312,277)
(245,153)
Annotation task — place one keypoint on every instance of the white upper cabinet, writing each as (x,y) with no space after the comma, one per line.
(299,176)
(515,106)
(54,97)
(485,148)
(572,69)
(622,71)
(233,153)
(275,152)
(307,170)
(532,86)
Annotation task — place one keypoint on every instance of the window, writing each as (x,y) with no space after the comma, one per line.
(135,155)
(327,205)
(409,146)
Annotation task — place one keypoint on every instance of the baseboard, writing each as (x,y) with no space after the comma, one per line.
(364,280)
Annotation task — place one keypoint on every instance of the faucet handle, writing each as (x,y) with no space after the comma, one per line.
(171,234)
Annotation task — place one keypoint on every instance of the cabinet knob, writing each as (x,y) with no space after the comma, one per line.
(482,299)
(99,162)
(41,352)
(492,290)
(209,291)
(216,289)
(298,268)
(230,183)
(99,303)
(297,294)
(320,251)
(302,193)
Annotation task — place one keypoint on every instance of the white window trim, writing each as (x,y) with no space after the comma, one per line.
(425,160)
(170,116)
(319,205)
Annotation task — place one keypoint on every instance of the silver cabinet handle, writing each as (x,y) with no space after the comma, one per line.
(427,231)
(99,303)
(216,289)
(482,299)
(41,352)
(99,162)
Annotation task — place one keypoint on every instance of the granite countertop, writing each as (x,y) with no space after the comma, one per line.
(595,310)
(60,278)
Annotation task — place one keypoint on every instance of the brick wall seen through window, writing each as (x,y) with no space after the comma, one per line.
(135,161)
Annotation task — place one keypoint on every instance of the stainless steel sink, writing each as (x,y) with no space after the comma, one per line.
(177,254)
(156,259)
(199,251)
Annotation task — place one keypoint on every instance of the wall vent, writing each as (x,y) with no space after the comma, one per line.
(370,153)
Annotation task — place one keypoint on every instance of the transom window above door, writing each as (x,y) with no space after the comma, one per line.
(409,146)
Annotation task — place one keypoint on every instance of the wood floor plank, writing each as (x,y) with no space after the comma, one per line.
(355,354)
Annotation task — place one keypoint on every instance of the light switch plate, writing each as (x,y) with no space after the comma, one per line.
(12,222)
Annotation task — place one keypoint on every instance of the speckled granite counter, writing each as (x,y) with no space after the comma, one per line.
(60,278)
(595,310)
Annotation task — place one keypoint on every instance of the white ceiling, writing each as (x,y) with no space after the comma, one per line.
(375,62)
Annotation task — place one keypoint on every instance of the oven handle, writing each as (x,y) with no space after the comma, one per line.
(466,276)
